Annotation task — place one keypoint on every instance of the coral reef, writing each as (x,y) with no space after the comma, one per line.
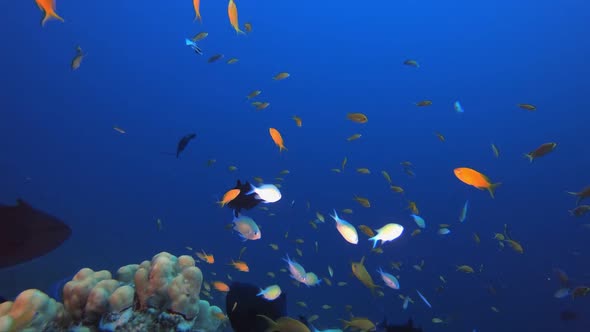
(157,295)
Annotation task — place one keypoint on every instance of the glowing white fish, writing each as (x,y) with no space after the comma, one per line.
(463,214)
(458,107)
(387,233)
(297,271)
(345,229)
(330,271)
(389,279)
(270,293)
(269,193)
(418,220)
(406,302)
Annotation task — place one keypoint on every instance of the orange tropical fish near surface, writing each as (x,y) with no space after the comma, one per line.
(476,179)
(197,4)
(232,12)
(277,138)
(48,6)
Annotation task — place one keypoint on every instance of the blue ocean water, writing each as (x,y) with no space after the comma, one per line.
(60,153)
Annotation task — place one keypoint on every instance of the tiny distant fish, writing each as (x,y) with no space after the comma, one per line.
(77,60)
(215,58)
(412,63)
(444,231)
(424,103)
(248,27)
(463,214)
(120,130)
(458,107)
(200,36)
(232,61)
(495,150)
(528,107)
(424,299)
(281,76)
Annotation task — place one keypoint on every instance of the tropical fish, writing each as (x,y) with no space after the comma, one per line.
(474,178)
(215,58)
(200,36)
(389,280)
(281,76)
(297,120)
(463,214)
(277,139)
(248,27)
(412,63)
(457,106)
(247,228)
(583,194)
(232,13)
(196,5)
(268,193)
(77,60)
(229,196)
(48,7)
(387,233)
(360,272)
(424,103)
(419,220)
(242,305)
(193,45)
(245,200)
(528,107)
(357,117)
(345,229)
(270,293)
(540,151)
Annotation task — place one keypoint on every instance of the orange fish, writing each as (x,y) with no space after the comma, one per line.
(48,7)
(197,4)
(229,196)
(476,179)
(277,138)
(221,286)
(232,12)
(240,266)
(205,257)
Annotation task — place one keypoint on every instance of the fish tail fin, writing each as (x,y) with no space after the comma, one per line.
(49,15)
(198,18)
(529,156)
(282,147)
(492,188)
(346,324)
(375,240)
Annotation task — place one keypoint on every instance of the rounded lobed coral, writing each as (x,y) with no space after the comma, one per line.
(165,289)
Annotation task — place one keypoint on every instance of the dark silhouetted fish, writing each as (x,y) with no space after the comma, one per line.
(183,143)
(242,305)
(243,200)
(408,327)
(27,233)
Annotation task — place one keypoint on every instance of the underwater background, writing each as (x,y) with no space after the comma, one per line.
(61,154)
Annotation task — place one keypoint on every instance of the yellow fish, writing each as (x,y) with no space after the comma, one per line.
(360,272)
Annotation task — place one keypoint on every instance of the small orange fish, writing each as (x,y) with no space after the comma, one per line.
(221,286)
(277,138)
(232,13)
(474,178)
(240,266)
(48,7)
(197,4)
(208,258)
(229,196)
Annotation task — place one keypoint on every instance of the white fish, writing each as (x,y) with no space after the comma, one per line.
(418,220)
(345,229)
(247,228)
(444,231)
(463,214)
(297,271)
(458,107)
(330,271)
(270,293)
(269,193)
(389,279)
(387,233)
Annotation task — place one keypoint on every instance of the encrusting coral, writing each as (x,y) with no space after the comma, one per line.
(157,295)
